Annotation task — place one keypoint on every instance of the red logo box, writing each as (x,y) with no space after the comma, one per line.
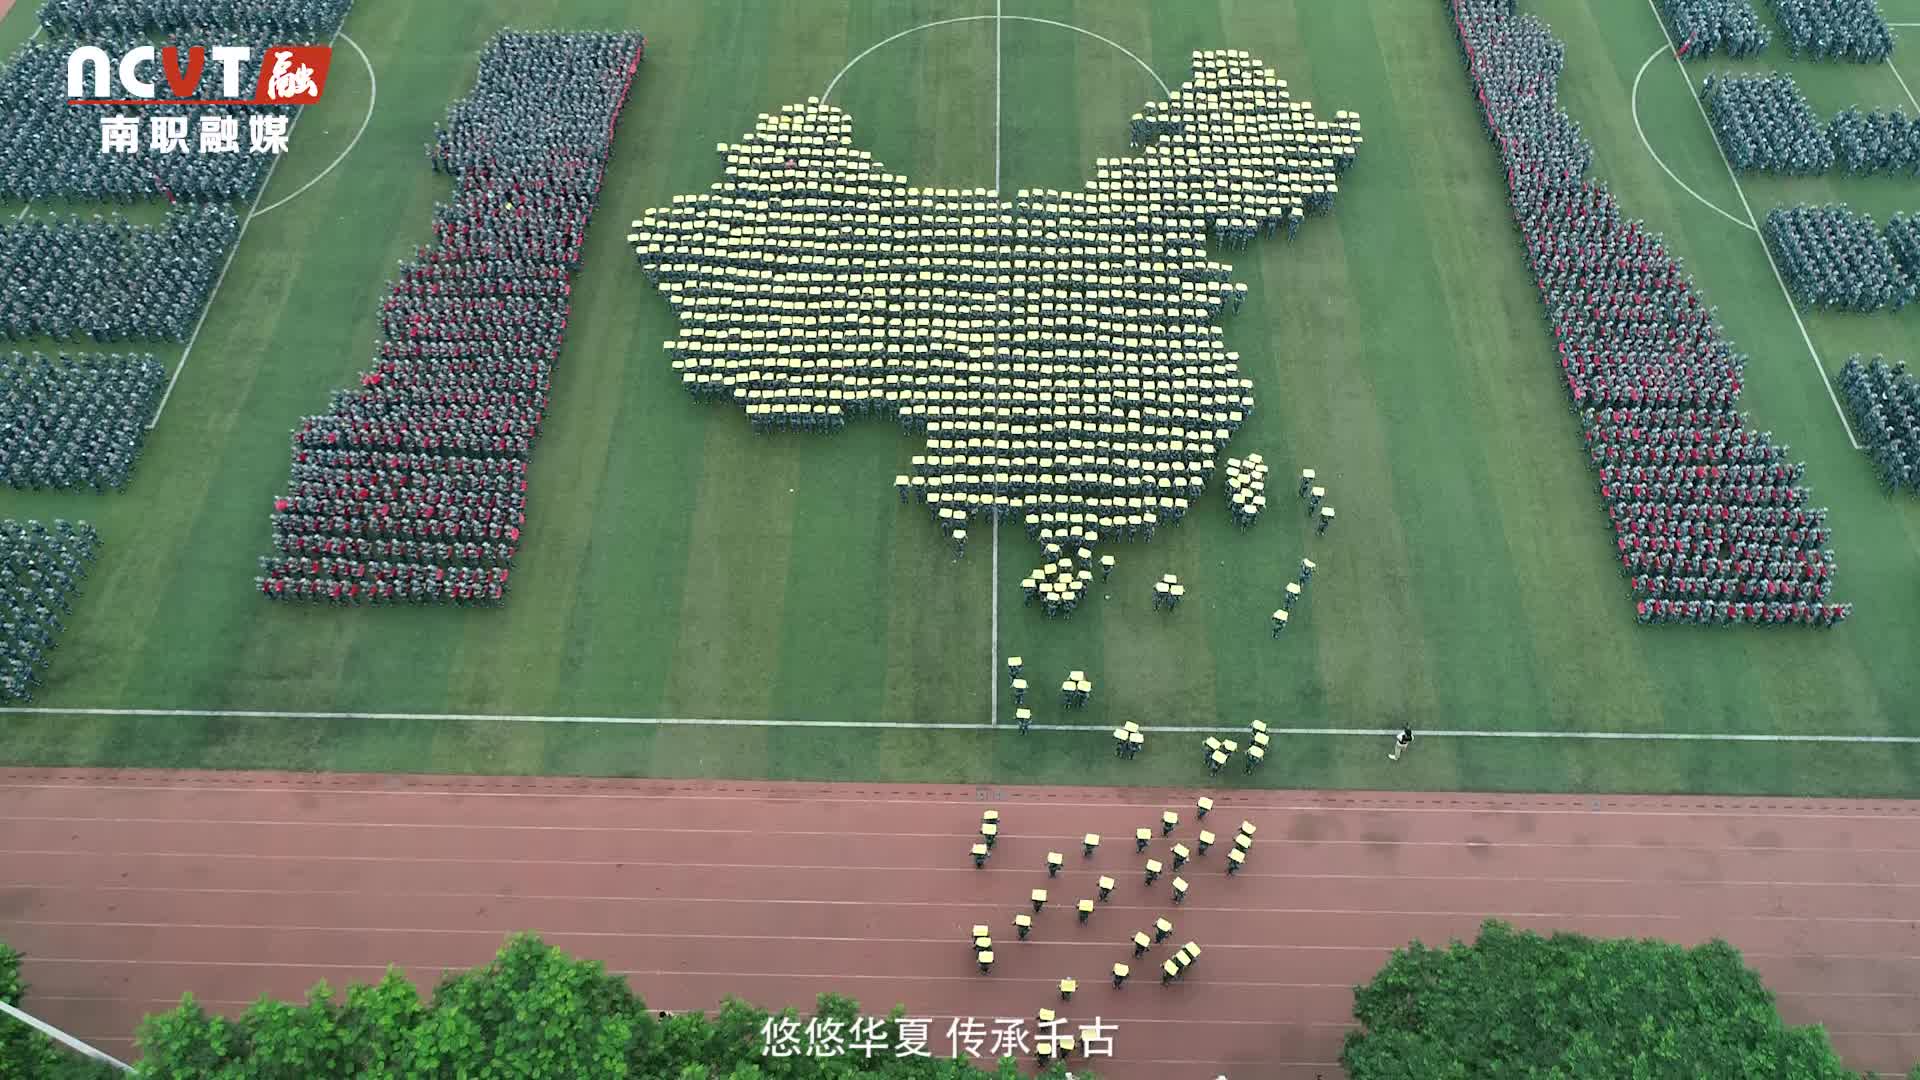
(293,75)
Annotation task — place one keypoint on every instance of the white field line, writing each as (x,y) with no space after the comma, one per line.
(962,868)
(1744,807)
(993,582)
(214,294)
(884,725)
(993,649)
(1903,83)
(373,98)
(876,46)
(1754,223)
(1633,105)
(998,22)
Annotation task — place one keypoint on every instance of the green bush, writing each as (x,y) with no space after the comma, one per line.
(25,1054)
(533,1013)
(1515,1004)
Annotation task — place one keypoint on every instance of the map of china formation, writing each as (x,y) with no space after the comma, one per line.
(1062,353)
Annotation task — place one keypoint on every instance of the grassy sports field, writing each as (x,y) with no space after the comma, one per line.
(679,566)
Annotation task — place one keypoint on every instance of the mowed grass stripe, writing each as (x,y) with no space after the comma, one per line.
(731,607)
(1325,374)
(843,529)
(949,606)
(415,647)
(923,106)
(1440,478)
(935,618)
(621,631)
(829,649)
(1537,507)
(1552,533)
(377,658)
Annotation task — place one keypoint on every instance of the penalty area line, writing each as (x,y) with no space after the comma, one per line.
(253,211)
(1793,307)
(910,725)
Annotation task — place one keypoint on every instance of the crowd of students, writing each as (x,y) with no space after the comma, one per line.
(1902,235)
(75,421)
(283,22)
(412,486)
(1701,28)
(1764,124)
(1850,30)
(1833,257)
(1062,354)
(1885,403)
(39,569)
(108,279)
(1881,140)
(1712,523)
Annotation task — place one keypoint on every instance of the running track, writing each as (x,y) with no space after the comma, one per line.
(126,888)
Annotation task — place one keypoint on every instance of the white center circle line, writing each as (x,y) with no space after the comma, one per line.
(1144,66)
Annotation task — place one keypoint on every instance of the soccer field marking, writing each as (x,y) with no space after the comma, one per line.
(912,725)
(1793,308)
(876,46)
(1903,82)
(998,22)
(993,648)
(1633,105)
(993,579)
(214,294)
(373,97)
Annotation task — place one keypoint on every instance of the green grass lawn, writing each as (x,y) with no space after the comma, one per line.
(677,565)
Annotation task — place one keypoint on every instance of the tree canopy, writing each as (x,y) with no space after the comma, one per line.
(1515,1004)
(534,1012)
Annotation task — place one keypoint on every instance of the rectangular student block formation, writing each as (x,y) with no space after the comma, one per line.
(412,486)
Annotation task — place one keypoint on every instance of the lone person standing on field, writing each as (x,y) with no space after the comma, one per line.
(1400,743)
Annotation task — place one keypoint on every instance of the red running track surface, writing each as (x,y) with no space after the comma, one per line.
(126,888)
